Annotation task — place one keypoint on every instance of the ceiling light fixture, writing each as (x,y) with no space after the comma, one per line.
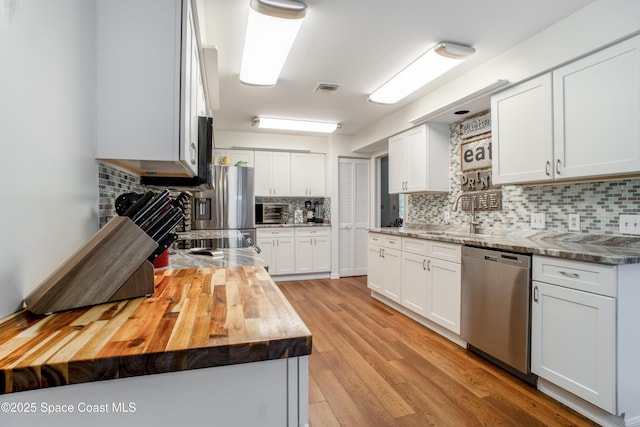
(272,28)
(296,125)
(435,62)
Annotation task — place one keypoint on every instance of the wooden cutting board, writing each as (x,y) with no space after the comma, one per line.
(111,266)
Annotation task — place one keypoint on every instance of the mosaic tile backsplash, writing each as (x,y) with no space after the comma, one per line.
(599,203)
(111,183)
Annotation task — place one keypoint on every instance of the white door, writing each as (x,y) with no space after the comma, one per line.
(416,145)
(443,293)
(596,113)
(299,174)
(281,174)
(266,246)
(397,164)
(284,254)
(262,173)
(315,174)
(573,342)
(392,260)
(522,132)
(321,253)
(353,216)
(414,283)
(304,255)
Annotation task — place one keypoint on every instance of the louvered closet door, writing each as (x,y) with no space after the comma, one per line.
(353,215)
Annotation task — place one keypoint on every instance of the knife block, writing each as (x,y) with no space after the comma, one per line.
(111,266)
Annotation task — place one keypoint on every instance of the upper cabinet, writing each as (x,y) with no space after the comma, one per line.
(272,173)
(580,121)
(149,85)
(307,174)
(419,160)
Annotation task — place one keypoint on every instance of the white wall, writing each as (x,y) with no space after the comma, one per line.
(48,172)
(595,26)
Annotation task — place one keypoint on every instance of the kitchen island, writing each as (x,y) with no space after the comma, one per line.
(211,346)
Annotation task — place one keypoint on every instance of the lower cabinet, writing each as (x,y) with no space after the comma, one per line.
(421,275)
(573,328)
(385,265)
(313,250)
(277,249)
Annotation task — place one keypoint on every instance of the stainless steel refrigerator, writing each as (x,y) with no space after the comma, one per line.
(229,204)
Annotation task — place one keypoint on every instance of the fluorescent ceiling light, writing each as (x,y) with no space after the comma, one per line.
(435,62)
(291,124)
(272,28)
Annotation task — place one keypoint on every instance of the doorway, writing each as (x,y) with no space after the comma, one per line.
(390,206)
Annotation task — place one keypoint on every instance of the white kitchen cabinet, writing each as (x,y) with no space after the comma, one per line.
(312,250)
(277,249)
(419,160)
(431,280)
(272,173)
(148,99)
(385,265)
(236,156)
(307,174)
(579,121)
(522,132)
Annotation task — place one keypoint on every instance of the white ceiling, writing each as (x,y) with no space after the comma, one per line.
(359,44)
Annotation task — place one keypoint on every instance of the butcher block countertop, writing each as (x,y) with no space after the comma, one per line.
(196,318)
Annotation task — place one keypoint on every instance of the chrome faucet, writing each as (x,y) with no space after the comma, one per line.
(472,220)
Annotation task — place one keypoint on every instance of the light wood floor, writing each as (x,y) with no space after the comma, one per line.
(372,366)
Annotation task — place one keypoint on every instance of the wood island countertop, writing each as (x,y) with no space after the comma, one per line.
(196,318)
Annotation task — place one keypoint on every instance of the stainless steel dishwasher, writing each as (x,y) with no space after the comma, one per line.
(496,308)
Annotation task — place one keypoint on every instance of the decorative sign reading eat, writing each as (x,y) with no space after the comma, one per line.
(475,154)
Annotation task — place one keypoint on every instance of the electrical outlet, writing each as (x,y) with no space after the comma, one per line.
(629,224)
(574,222)
(537,220)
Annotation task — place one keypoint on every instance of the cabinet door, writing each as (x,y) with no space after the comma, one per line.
(392,261)
(299,174)
(266,246)
(262,173)
(397,164)
(414,283)
(416,146)
(284,254)
(375,270)
(596,113)
(315,174)
(281,174)
(321,253)
(304,255)
(443,293)
(522,132)
(573,342)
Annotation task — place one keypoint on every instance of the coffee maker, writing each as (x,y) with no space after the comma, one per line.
(309,211)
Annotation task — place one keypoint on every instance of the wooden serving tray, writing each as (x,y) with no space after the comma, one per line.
(111,266)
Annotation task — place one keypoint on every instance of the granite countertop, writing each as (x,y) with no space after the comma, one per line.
(290,224)
(196,318)
(602,249)
(232,257)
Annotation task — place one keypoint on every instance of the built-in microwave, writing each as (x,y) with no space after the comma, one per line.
(272,213)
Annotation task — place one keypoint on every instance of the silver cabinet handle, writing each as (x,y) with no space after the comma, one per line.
(194,151)
(535,293)
(547,168)
(567,274)
(429,265)
(382,252)
(424,262)
(558,166)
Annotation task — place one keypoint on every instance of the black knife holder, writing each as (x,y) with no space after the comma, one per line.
(111,266)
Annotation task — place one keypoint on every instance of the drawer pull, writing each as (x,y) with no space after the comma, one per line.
(535,294)
(572,275)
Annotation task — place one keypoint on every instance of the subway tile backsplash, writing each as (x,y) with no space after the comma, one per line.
(599,203)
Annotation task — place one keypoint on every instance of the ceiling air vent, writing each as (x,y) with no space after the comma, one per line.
(326,88)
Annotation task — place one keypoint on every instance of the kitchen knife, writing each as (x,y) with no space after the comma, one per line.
(168,226)
(161,220)
(139,204)
(163,245)
(124,201)
(153,207)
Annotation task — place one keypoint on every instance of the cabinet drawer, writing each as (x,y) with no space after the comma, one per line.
(445,251)
(386,240)
(312,231)
(274,232)
(415,246)
(584,276)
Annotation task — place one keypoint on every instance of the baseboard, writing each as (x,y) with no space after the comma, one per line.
(290,277)
(583,407)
